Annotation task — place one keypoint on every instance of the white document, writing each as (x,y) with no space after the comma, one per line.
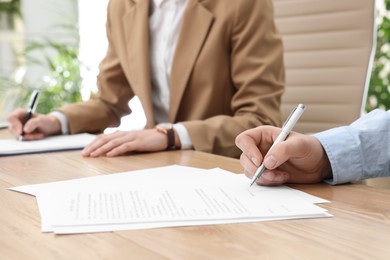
(48,144)
(163,197)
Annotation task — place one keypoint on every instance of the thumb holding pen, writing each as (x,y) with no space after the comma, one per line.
(298,159)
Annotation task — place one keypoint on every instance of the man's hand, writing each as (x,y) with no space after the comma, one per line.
(298,159)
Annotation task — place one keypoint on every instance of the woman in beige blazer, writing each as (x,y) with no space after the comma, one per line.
(227,76)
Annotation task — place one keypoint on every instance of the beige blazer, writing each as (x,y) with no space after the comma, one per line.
(227,74)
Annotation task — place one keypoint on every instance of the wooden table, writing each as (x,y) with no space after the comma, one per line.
(360,228)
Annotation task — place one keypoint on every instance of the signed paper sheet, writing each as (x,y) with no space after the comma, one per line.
(165,197)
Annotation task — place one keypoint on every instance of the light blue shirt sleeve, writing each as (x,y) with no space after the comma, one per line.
(361,150)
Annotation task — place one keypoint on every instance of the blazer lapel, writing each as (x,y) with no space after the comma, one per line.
(196,24)
(136,24)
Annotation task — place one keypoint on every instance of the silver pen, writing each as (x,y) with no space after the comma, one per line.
(286,129)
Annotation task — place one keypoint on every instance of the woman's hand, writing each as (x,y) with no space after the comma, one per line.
(121,142)
(38,127)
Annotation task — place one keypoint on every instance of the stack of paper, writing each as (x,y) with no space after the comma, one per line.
(164,197)
(49,144)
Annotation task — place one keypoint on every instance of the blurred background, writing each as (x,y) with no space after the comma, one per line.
(56,46)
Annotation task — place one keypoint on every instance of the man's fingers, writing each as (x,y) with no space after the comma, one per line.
(249,147)
(293,147)
(273,178)
(249,166)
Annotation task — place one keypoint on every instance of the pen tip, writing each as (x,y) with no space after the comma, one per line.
(20,138)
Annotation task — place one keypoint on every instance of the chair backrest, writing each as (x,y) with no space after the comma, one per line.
(329,49)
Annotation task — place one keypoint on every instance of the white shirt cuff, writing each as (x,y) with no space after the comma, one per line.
(184,137)
(63,121)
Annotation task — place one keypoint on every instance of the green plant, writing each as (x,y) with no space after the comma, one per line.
(8,10)
(10,6)
(63,82)
(378,93)
(12,95)
(60,86)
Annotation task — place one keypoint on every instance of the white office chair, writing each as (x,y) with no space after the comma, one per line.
(329,48)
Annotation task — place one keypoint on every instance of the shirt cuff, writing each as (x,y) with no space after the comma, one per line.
(184,137)
(344,155)
(63,121)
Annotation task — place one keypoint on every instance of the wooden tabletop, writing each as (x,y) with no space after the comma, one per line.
(360,228)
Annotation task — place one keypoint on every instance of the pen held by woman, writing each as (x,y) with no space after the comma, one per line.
(31,109)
